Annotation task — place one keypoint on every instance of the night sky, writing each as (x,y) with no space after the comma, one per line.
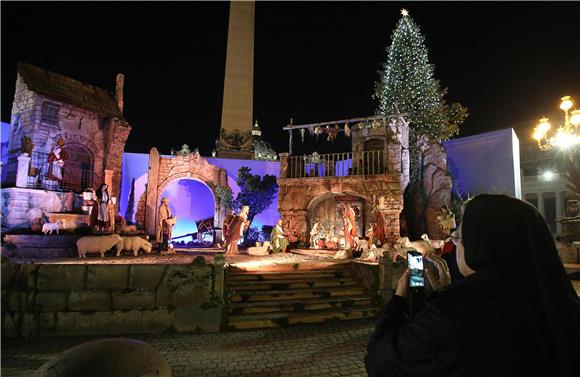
(508,63)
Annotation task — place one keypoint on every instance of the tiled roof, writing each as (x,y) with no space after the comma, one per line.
(70,91)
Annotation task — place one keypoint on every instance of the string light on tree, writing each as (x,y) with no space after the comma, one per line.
(407,84)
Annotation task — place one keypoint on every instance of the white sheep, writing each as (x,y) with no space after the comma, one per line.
(436,244)
(421,246)
(99,244)
(371,254)
(51,227)
(260,249)
(134,244)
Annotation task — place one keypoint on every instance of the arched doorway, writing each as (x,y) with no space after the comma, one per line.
(326,209)
(193,203)
(77,173)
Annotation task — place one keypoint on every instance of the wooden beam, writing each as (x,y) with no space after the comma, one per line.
(352,120)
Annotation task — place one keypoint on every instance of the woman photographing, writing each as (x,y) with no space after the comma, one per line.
(515,313)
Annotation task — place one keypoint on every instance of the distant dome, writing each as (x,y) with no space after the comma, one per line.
(262,150)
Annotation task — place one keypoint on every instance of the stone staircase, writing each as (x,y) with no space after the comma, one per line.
(282,298)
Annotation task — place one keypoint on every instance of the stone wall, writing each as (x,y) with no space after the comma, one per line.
(103,137)
(20,205)
(296,195)
(98,299)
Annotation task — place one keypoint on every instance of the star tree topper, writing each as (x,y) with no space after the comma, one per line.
(404,12)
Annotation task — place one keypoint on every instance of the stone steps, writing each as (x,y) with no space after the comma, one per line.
(297,305)
(281,319)
(283,294)
(276,276)
(283,298)
(290,284)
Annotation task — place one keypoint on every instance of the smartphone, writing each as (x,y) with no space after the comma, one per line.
(415,263)
(416,282)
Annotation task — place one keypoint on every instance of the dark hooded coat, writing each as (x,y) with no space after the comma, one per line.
(518,315)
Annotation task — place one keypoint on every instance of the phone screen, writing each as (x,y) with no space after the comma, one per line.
(415,262)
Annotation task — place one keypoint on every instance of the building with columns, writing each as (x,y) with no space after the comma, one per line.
(544,183)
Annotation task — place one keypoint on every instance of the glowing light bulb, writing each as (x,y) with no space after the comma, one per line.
(575,118)
(544,125)
(566,103)
(538,135)
(548,175)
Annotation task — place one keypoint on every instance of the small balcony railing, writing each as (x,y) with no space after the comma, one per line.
(338,164)
(75,176)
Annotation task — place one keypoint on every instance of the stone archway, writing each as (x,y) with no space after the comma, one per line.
(324,208)
(164,170)
(297,197)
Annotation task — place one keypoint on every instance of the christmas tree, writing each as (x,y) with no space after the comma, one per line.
(407,85)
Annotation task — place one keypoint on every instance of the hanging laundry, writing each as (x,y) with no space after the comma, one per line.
(302,133)
(346,130)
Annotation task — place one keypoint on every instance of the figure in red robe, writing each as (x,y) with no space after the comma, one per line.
(350,228)
(55,164)
(235,231)
(379,223)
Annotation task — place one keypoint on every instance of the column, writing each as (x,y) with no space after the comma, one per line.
(541,204)
(560,197)
(22,170)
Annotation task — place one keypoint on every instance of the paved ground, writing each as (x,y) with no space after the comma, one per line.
(335,349)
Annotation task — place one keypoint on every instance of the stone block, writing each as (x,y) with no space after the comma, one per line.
(89,301)
(65,323)
(197,320)
(133,300)
(15,300)
(155,321)
(46,323)
(10,324)
(60,277)
(49,301)
(146,276)
(30,273)
(107,276)
(92,323)
(125,322)
(189,285)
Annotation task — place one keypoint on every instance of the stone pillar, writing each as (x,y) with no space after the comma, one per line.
(108,180)
(389,275)
(151,197)
(22,172)
(559,210)
(235,139)
(218,289)
(283,165)
(541,208)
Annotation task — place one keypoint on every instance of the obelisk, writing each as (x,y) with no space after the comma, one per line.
(235,138)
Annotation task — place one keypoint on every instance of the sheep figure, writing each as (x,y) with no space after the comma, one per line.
(51,227)
(421,246)
(436,244)
(134,244)
(99,244)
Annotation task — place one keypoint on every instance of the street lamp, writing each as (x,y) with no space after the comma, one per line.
(566,136)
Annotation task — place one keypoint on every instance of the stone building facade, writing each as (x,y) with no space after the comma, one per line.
(378,166)
(84,121)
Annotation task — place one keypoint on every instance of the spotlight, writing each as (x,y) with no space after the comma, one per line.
(548,175)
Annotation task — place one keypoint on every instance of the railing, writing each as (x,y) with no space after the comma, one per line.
(74,176)
(338,164)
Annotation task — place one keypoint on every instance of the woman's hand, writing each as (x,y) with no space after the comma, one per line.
(444,278)
(403,285)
